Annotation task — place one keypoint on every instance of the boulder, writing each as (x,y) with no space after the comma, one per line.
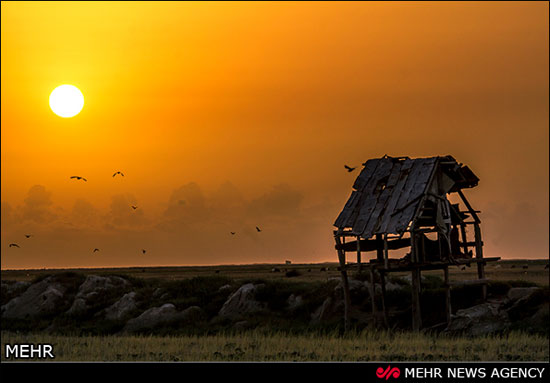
(163,315)
(40,298)
(241,302)
(225,289)
(517,293)
(122,308)
(481,319)
(151,318)
(294,301)
(14,288)
(331,309)
(92,287)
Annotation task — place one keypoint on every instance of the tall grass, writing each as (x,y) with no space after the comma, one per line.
(279,346)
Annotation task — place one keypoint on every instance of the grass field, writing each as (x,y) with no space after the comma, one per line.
(258,346)
(499,271)
(270,344)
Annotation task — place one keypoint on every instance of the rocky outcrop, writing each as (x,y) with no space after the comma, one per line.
(41,298)
(91,288)
(481,319)
(123,308)
(517,293)
(293,301)
(241,302)
(163,315)
(14,288)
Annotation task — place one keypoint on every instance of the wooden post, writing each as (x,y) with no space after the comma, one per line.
(359,265)
(383,284)
(347,298)
(379,249)
(447,295)
(479,255)
(373,296)
(464,238)
(415,287)
(386,261)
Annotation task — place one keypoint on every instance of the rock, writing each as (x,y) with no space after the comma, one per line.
(408,278)
(158,293)
(241,325)
(151,318)
(95,283)
(40,298)
(15,288)
(165,314)
(390,286)
(191,314)
(354,284)
(122,308)
(78,307)
(241,302)
(331,309)
(481,319)
(91,288)
(225,289)
(517,293)
(294,301)
(540,320)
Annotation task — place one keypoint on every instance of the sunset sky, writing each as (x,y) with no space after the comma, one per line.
(226,116)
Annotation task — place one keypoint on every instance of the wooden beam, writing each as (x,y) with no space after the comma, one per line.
(470,209)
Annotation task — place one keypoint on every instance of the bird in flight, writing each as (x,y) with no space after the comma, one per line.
(349,169)
(28,235)
(79,178)
(232,233)
(134,207)
(118,173)
(96,250)
(143,251)
(14,245)
(257,228)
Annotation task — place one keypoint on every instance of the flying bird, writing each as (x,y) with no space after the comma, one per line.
(96,250)
(28,235)
(143,251)
(118,173)
(257,228)
(134,207)
(79,178)
(14,245)
(232,233)
(349,169)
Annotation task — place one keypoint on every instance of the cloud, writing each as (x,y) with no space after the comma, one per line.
(37,206)
(84,213)
(121,213)
(282,200)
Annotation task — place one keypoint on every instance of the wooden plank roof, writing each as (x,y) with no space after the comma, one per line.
(388,191)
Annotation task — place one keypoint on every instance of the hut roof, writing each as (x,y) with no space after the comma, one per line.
(389,190)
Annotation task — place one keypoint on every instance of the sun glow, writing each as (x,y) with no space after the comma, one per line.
(66,101)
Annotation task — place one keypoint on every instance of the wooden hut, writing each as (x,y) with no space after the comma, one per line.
(400,202)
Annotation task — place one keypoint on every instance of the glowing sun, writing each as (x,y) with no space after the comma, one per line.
(66,101)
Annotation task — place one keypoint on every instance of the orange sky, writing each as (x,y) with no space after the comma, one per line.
(247,112)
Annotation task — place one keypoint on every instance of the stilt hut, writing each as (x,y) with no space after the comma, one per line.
(399,203)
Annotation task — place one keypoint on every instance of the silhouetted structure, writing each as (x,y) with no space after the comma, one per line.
(399,202)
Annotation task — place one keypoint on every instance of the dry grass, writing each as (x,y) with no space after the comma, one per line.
(500,271)
(258,346)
